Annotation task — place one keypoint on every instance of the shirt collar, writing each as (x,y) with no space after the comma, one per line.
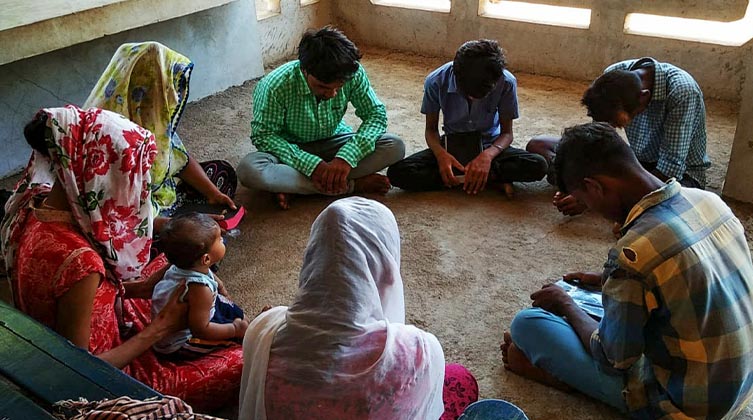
(301,86)
(659,90)
(654,198)
(452,85)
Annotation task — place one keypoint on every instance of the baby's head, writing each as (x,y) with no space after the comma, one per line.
(192,241)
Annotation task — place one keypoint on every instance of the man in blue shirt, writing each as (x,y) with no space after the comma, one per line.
(475,95)
(661,108)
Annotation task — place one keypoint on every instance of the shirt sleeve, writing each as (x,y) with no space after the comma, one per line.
(430,103)
(267,128)
(685,109)
(508,101)
(373,117)
(618,342)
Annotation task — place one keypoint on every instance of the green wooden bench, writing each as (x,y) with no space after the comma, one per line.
(39,367)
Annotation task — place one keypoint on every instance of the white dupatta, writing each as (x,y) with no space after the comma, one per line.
(349,288)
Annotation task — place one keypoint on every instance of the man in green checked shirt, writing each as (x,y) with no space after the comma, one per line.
(304,146)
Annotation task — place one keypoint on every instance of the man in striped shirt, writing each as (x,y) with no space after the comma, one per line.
(662,110)
(303,145)
(676,339)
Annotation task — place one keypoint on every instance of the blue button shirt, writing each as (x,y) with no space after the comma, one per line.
(463,115)
(671,132)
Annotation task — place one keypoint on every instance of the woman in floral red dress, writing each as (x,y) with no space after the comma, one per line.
(76,237)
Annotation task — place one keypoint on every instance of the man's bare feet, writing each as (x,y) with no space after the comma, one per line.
(516,361)
(509,190)
(374,183)
(283,200)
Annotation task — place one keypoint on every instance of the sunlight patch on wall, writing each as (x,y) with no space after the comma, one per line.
(267,8)
(734,34)
(429,5)
(542,14)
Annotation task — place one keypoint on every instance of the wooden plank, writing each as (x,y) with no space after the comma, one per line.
(16,406)
(51,368)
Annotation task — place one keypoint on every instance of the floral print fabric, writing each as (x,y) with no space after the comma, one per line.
(53,256)
(460,390)
(148,83)
(102,161)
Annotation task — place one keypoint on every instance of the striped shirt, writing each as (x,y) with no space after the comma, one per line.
(286,114)
(678,307)
(671,132)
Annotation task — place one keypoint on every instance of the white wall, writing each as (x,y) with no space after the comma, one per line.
(281,33)
(579,54)
(739,181)
(223,43)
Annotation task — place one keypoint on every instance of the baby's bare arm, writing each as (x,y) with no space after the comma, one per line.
(200,301)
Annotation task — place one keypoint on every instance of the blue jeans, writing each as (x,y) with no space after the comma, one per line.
(550,343)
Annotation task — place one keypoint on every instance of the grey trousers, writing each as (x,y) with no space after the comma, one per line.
(263,171)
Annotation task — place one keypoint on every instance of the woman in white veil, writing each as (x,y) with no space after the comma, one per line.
(342,350)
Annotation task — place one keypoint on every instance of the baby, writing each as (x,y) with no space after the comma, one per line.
(193,243)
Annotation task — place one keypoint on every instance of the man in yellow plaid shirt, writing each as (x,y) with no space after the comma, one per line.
(303,145)
(676,339)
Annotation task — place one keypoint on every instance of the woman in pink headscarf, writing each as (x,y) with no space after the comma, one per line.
(76,236)
(343,350)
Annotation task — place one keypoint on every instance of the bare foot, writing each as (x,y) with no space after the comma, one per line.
(283,200)
(374,183)
(509,190)
(516,361)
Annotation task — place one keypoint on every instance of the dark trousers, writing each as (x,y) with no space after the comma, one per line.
(420,171)
(686,180)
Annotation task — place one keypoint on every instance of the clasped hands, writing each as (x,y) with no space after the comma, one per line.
(568,204)
(476,171)
(331,177)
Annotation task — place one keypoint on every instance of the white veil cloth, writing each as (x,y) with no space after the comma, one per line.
(349,306)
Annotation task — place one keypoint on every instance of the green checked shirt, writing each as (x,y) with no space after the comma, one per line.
(287,114)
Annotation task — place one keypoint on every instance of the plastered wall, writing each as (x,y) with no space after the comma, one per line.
(281,33)
(739,181)
(223,42)
(565,52)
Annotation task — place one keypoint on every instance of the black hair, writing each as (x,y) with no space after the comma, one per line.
(328,55)
(186,237)
(37,132)
(478,65)
(612,92)
(591,149)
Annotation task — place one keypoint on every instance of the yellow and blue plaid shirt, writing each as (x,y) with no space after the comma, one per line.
(671,131)
(286,114)
(678,307)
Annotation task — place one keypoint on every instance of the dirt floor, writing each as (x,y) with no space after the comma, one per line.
(468,263)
